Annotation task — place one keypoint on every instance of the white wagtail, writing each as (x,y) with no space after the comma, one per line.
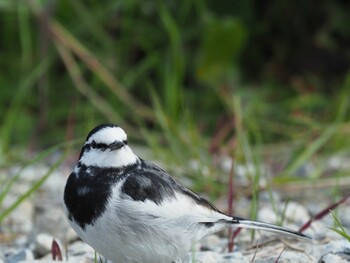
(130,210)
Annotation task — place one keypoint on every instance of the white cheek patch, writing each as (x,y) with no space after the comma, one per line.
(114,159)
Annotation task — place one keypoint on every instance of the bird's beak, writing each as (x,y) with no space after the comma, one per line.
(116,145)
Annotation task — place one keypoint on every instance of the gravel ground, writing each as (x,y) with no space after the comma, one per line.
(26,235)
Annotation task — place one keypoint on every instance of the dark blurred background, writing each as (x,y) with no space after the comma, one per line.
(176,73)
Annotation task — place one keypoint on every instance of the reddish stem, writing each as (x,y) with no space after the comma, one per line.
(56,251)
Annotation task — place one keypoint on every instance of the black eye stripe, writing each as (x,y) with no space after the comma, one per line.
(100,146)
(94,145)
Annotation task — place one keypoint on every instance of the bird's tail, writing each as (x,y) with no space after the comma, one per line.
(245,223)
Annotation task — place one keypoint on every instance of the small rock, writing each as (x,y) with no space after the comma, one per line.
(305,170)
(287,257)
(332,258)
(21,241)
(22,255)
(203,257)
(20,219)
(317,230)
(266,214)
(79,248)
(235,257)
(340,248)
(295,212)
(52,219)
(212,243)
(52,189)
(43,243)
(338,163)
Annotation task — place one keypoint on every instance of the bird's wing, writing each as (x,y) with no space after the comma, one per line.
(161,195)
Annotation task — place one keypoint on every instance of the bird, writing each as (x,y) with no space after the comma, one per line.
(131,211)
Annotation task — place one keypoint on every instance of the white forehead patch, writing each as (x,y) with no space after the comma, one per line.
(108,135)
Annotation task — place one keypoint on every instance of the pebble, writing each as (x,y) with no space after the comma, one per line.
(288,257)
(79,248)
(268,215)
(332,258)
(295,212)
(338,163)
(212,243)
(235,257)
(22,255)
(43,243)
(338,247)
(52,219)
(20,220)
(204,257)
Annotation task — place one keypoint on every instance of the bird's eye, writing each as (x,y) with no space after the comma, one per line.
(93,144)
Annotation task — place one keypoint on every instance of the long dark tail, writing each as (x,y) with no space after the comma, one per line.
(245,223)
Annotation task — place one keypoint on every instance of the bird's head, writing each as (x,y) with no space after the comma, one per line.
(107,146)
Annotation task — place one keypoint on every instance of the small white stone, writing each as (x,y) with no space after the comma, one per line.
(80,248)
(212,242)
(335,246)
(287,257)
(235,257)
(53,220)
(32,173)
(204,257)
(296,212)
(338,163)
(333,258)
(43,243)
(267,215)
(23,255)
(20,219)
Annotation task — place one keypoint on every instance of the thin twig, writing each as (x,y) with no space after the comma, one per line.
(323,213)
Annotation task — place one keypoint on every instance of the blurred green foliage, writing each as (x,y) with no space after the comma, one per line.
(69,65)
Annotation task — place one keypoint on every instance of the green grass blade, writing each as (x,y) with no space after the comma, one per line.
(20,96)
(309,151)
(340,231)
(7,186)
(30,191)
